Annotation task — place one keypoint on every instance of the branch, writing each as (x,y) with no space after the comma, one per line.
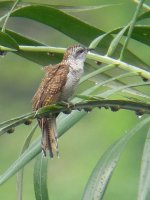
(131,27)
(93,56)
(8,15)
(114,105)
(144,4)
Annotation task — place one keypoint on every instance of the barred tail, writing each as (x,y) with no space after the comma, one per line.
(49,135)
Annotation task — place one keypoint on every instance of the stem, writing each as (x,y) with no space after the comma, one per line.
(121,64)
(119,104)
(144,5)
(96,72)
(92,56)
(3,17)
(19,185)
(114,105)
(42,49)
(133,21)
(8,15)
(104,59)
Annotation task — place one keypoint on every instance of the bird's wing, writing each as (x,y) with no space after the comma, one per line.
(51,86)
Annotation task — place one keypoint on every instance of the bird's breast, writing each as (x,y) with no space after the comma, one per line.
(73,78)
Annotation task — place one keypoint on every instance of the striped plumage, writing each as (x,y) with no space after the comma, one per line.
(58,84)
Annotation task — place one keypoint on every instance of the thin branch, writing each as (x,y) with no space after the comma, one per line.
(144,4)
(93,56)
(114,105)
(89,105)
(8,15)
(132,24)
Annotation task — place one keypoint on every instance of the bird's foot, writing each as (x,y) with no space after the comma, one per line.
(64,103)
(67,105)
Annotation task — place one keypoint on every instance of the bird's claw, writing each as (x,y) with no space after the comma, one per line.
(67,105)
(64,103)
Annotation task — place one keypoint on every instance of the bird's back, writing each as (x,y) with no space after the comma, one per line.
(50,88)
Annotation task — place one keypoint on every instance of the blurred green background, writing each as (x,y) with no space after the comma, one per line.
(82,146)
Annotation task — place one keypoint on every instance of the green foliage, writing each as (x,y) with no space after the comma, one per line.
(102,173)
(40,178)
(118,90)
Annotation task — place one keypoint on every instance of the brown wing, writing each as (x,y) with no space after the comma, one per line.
(51,86)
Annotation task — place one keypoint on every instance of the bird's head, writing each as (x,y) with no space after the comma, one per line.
(76,53)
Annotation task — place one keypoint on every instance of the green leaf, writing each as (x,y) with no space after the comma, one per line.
(8,14)
(144,184)
(144,16)
(131,28)
(40,178)
(8,41)
(20,173)
(145,6)
(5,126)
(77,28)
(96,72)
(102,173)
(121,88)
(116,40)
(141,33)
(41,58)
(5,6)
(64,123)
(88,97)
(81,8)
(60,21)
(27,156)
(97,40)
(112,91)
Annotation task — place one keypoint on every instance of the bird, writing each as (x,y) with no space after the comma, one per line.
(58,85)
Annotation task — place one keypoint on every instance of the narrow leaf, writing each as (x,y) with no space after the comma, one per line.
(97,40)
(96,72)
(40,178)
(144,184)
(5,6)
(141,33)
(145,15)
(81,8)
(64,123)
(21,172)
(131,27)
(121,88)
(15,122)
(27,156)
(102,173)
(61,21)
(41,58)
(144,4)
(8,41)
(8,15)
(115,41)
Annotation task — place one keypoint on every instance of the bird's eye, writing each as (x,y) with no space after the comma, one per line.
(80,51)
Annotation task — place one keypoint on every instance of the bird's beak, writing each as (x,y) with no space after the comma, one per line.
(90,49)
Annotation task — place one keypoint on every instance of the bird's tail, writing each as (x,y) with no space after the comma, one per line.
(49,135)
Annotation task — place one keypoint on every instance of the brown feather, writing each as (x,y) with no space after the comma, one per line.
(49,92)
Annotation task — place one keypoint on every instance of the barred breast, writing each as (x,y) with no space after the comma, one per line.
(73,78)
